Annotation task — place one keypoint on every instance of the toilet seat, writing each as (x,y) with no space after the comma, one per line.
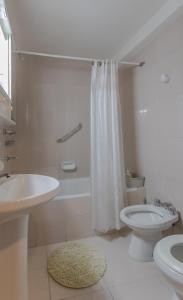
(163,252)
(147,216)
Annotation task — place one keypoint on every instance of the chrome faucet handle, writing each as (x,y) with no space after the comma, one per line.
(172,210)
(9,142)
(9,131)
(7,158)
(11,157)
(4,175)
(157,202)
(167,205)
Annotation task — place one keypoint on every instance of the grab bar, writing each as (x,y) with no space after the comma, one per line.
(70,134)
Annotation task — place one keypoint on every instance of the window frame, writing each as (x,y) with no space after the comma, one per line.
(5,27)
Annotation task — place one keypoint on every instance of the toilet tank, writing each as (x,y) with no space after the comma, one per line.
(136,195)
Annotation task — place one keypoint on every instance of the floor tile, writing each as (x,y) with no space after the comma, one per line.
(121,269)
(99,295)
(59,292)
(125,278)
(146,289)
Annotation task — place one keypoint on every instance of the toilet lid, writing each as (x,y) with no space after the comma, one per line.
(170,251)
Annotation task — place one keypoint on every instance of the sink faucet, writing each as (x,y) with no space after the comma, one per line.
(7,158)
(157,202)
(9,131)
(4,175)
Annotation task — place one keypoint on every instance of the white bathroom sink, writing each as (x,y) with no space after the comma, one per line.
(23,191)
(18,194)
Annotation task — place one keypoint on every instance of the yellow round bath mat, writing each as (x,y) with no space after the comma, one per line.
(76,265)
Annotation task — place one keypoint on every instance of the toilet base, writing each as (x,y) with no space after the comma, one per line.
(142,246)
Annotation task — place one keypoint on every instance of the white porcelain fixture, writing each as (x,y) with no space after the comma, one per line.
(168,256)
(18,194)
(147,222)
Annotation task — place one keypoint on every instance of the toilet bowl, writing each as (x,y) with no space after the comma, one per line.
(147,222)
(168,256)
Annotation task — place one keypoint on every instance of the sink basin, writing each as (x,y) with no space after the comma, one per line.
(23,191)
(18,194)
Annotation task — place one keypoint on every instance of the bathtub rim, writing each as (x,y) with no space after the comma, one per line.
(71,196)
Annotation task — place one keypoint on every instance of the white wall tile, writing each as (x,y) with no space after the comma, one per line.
(52,97)
(154,116)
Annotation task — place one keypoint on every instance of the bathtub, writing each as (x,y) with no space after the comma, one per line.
(74,188)
(66,217)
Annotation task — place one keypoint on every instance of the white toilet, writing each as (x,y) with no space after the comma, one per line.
(147,221)
(168,256)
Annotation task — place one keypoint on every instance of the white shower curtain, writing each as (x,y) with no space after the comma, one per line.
(107,159)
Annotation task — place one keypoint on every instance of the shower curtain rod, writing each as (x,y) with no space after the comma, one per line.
(140,64)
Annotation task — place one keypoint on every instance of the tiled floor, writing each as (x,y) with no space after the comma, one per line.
(125,278)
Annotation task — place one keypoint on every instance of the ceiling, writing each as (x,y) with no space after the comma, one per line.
(84,28)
